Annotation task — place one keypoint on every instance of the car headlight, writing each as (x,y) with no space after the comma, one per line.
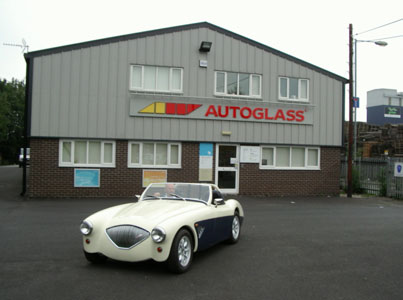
(86,227)
(158,234)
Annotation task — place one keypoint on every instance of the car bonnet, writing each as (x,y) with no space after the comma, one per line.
(149,213)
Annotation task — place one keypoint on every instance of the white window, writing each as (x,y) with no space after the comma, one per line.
(312,157)
(282,157)
(293,89)
(238,84)
(91,153)
(157,79)
(289,158)
(267,157)
(150,155)
(298,157)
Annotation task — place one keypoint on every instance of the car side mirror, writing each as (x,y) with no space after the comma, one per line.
(138,197)
(219,201)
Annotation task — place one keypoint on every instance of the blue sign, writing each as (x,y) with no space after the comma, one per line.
(86,177)
(399,169)
(206,149)
(356,102)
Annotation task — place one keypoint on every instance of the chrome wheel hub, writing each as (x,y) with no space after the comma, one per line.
(184,251)
(235,227)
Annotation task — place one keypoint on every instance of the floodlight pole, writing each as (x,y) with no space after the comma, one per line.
(350,121)
(24,48)
(355,106)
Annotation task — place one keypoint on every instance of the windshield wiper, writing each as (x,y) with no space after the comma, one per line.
(177,196)
(150,197)
(196,200)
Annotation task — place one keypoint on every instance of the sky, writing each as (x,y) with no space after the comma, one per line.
(315,31)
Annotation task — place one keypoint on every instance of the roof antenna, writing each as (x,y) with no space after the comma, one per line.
(23,46)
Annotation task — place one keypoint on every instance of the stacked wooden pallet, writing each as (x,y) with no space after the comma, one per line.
(376,141)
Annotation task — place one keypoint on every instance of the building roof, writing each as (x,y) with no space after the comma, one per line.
(182,28)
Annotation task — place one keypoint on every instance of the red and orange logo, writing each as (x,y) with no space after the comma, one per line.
(170,108)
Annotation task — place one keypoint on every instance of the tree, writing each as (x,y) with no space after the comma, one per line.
(12,103)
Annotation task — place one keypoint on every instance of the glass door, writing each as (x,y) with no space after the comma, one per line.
(227,166)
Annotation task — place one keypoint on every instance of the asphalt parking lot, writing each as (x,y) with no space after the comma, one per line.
(290,248)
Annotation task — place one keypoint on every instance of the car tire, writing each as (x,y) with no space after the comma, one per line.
(235,229)
(95,258)
(181,254)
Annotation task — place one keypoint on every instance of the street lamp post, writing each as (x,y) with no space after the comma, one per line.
(352,92)
(350,120)
(378,43)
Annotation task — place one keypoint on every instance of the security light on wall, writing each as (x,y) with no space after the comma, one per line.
(205,46)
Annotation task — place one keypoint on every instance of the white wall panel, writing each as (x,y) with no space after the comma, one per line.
(65,91)
(85,93)
(55,94)
(76,83)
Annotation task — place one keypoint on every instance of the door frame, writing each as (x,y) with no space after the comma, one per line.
(236,169)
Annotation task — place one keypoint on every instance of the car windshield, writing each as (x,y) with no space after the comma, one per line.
(177,191)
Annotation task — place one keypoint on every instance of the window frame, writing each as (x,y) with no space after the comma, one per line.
(273,158)
(287,98)
(306,157)
(290,167)
(102,163)
(170,79)
(225,93)
(169,165)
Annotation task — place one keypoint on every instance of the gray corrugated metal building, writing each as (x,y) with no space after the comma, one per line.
(107,117)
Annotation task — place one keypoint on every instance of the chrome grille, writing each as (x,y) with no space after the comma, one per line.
(126,236)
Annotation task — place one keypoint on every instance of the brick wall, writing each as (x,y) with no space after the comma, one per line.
(325,181)
(47,179)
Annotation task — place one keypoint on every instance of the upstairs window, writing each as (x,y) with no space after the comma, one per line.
(293,89)
(156,79)
(238,84)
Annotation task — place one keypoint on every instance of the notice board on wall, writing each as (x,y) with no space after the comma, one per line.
(250,154)
(154,176)
(87,178)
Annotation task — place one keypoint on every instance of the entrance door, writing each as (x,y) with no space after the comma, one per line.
(227,164)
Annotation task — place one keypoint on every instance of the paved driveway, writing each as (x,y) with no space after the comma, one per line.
(291,248)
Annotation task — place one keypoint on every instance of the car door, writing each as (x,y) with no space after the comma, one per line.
(205,229)
(223,222)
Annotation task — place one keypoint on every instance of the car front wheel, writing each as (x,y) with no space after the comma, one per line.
(235,229)
(181,255)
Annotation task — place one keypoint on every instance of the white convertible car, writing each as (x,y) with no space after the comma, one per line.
(169,223)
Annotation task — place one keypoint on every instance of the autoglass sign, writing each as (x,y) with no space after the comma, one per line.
(259,112)
(392,112)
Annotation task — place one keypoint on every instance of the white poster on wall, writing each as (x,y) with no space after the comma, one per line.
(250,154)
(205,162)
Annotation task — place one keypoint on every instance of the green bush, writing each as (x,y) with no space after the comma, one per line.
(382,181)
(356,181)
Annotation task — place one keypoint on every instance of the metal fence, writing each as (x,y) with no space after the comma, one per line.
(375,176)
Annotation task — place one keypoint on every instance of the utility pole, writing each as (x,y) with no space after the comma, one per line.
(25,49)
(350,122)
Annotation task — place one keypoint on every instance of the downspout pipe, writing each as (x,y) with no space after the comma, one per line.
(26,127)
